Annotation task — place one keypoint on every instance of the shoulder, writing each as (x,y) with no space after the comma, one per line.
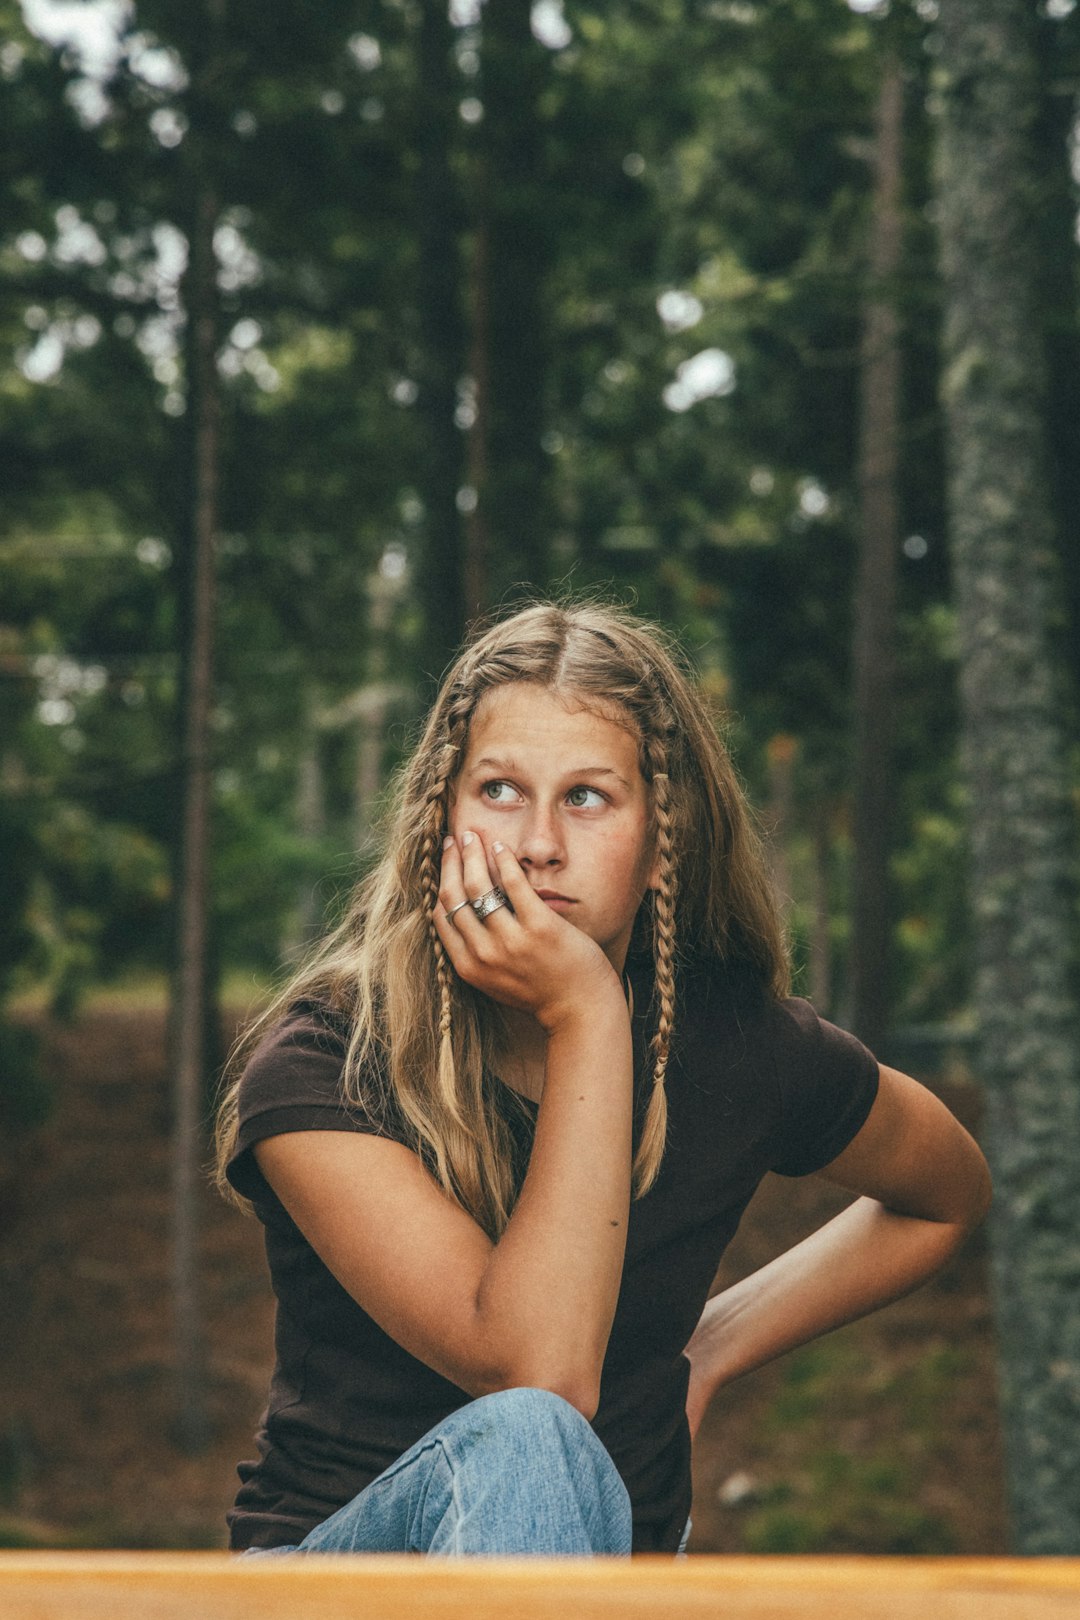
(802,1037)
(810,1084)
(294,1081)
(827,1081)
(781,1029)
(304,1026)
(303,1053)
(715,999)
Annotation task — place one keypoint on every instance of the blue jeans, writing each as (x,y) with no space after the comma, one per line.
(519,1471)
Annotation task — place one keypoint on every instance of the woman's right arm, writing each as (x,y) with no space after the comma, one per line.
(535,1308)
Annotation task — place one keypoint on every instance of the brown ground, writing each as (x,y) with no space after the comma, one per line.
(884,1438)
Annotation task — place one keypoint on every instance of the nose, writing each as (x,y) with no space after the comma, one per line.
(540,841)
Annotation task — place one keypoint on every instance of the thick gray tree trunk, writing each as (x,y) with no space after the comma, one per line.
(1059,71)
(873,655)
(1021,817)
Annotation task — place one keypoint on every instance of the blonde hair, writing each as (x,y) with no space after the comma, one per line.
(384,970)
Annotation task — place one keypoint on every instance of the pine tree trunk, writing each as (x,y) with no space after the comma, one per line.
(441,582)
(875,586)
(820,963)
(478,591)
(310,821)
(1015,751)
(373,712)
(514,495)
(780,753)
(190,1049)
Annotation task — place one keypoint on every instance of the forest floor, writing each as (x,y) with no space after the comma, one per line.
(882,1438)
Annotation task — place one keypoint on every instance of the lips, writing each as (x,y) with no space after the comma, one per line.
(552,894)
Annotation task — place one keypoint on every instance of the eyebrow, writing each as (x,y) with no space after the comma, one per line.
(510,768)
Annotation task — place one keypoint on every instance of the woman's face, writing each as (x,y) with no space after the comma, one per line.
(561,787)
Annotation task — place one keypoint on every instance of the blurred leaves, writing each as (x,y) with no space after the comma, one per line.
(697,192)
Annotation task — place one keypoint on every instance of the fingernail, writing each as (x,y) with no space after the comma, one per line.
(466,838)
(497,848)
(448,840)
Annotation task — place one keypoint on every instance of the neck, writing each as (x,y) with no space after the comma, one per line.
(524,1048)
(521,1059)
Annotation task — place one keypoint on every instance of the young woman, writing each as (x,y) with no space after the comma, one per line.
(503,1127)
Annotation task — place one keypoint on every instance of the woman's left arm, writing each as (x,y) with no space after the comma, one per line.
(924,1187)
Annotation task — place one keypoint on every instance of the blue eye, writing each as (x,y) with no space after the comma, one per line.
(579,804)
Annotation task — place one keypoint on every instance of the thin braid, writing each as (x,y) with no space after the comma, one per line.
(435,820)
(664,934)
(654,1132)
(459,709)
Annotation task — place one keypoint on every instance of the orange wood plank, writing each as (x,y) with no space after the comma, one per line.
(215,1586)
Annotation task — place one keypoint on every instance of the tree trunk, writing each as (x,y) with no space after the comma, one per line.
(478,593)
(513,234)
(441,583)
(875,586)
(780,753)
(373,711)
(188,1013)
(310,813)
(821,986)
(1060,301)
(1008,594)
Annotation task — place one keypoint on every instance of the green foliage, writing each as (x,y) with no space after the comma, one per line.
(842,1492)
(260,865)
(847,1505)
(684,180)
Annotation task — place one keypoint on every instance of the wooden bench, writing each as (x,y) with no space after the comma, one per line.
(217,1586)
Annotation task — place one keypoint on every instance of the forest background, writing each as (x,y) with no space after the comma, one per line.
(328,330)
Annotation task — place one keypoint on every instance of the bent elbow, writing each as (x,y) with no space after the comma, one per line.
(967,1215)
(967,1201)
(984,1196)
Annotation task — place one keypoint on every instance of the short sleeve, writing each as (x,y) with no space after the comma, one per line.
(292,1082)
(827,1083)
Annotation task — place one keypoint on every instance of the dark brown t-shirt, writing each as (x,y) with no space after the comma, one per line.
(753,1085)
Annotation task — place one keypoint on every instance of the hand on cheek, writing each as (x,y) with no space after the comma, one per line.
(492,868)
(484,842)
(486,837)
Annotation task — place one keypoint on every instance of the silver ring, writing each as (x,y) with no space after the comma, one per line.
(459,907)
(487,903)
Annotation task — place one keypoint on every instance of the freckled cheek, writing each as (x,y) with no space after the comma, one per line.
(468,812)
(620,863)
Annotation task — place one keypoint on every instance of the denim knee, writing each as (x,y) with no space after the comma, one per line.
(537,1421)
(531,1428)
(515,1471)
(525,1404)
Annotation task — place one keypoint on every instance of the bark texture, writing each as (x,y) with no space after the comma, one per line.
(1022,820)
(188,1011)
(192,1041)
(873,660)
(1059,72)
(441,578)
(513,251)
